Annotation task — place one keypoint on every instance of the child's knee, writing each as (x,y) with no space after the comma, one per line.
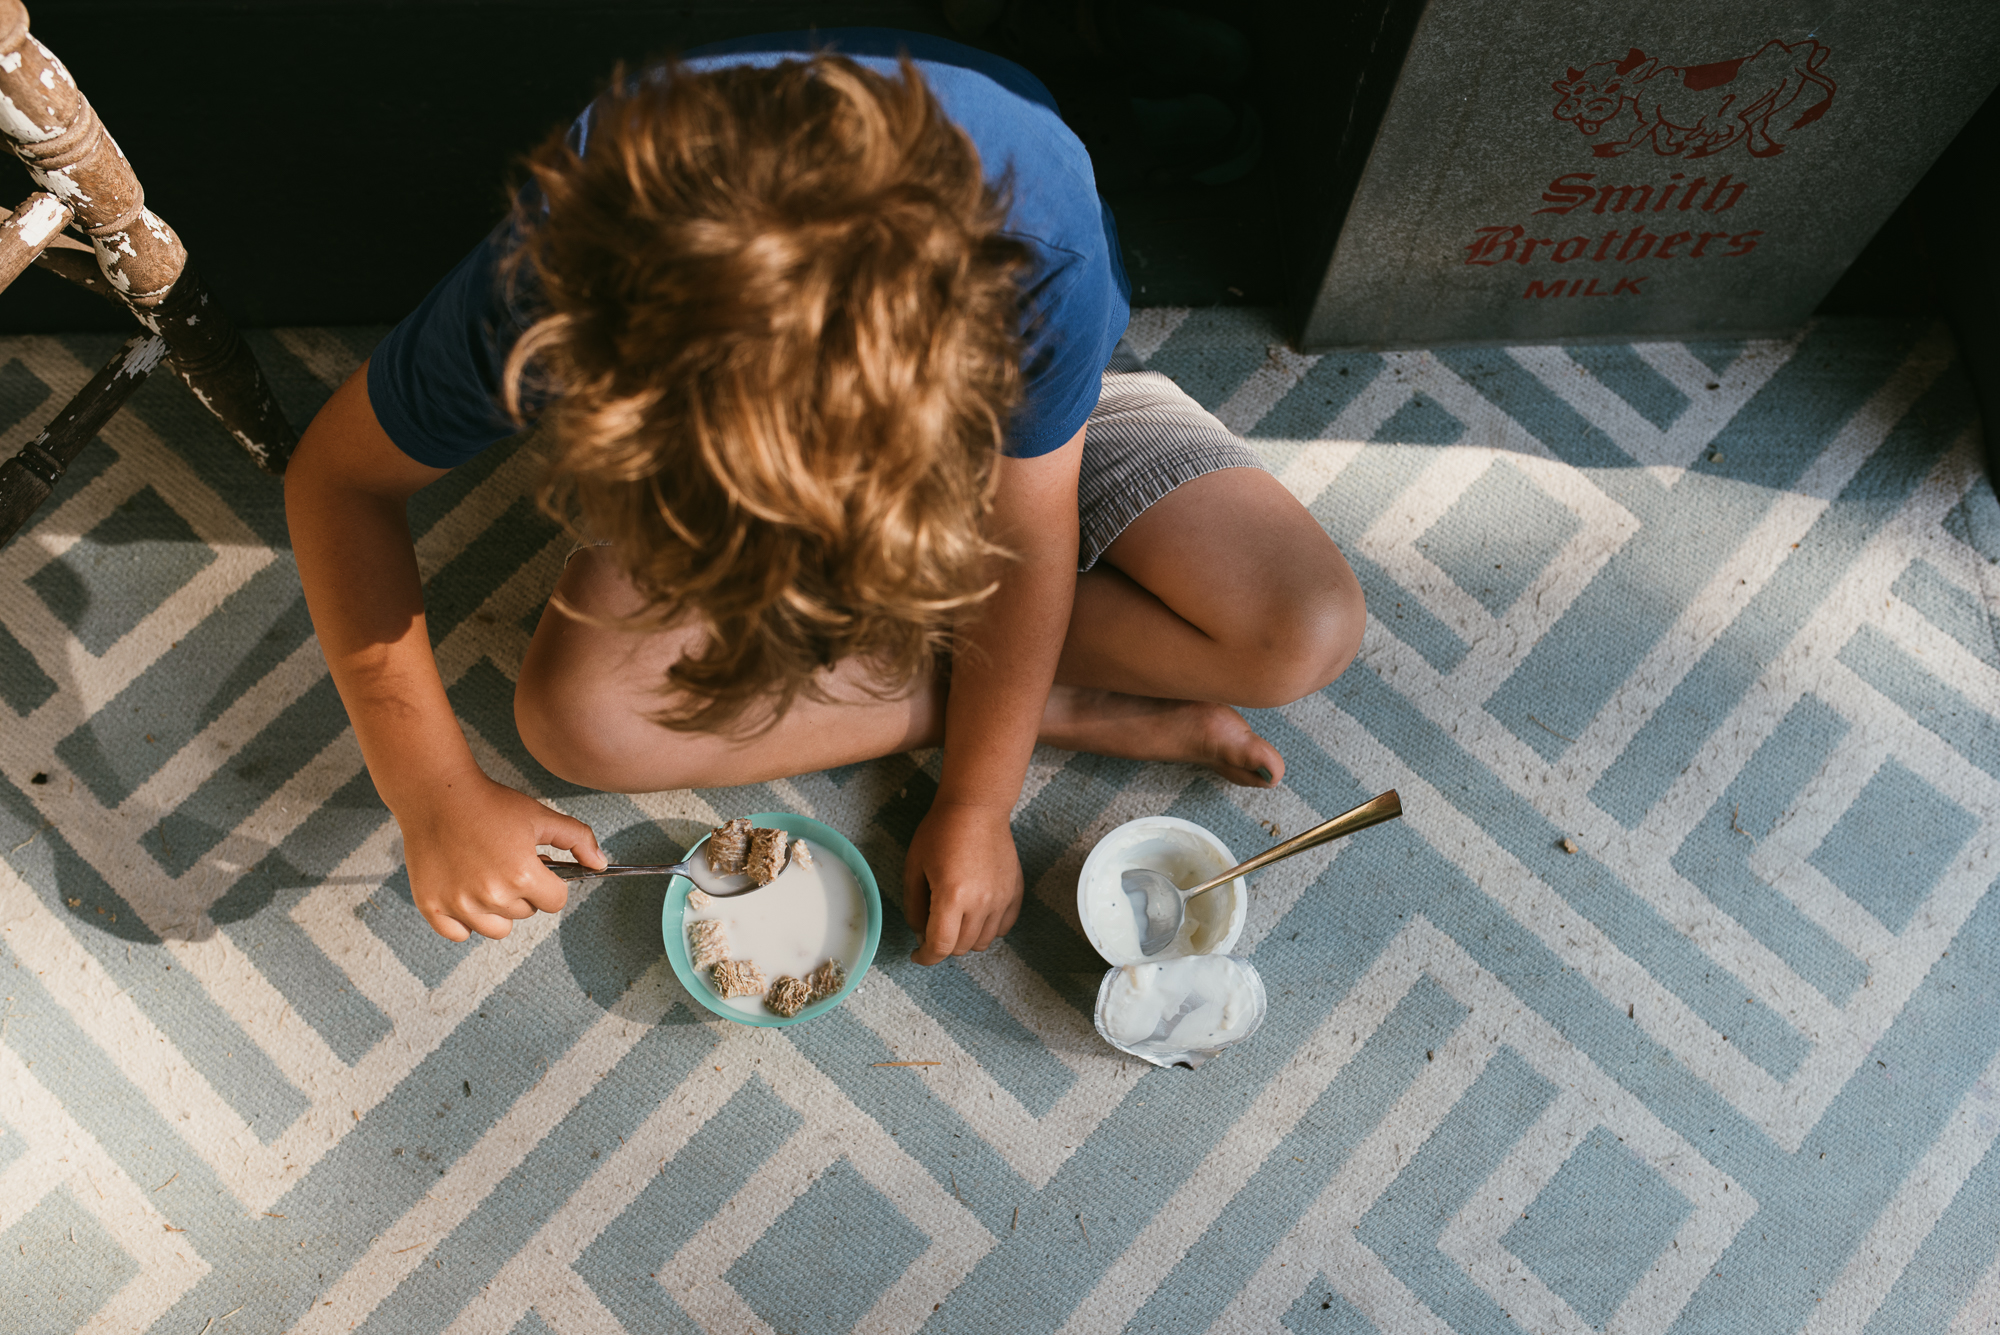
(548,719)
(572,721)
(598,730)
(1306,639)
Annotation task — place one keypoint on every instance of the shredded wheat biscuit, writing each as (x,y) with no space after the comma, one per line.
(802,854)
(727,844)
(699,900)
(707,943)
(827,979)
(766,857)
(788,996)
(739,978)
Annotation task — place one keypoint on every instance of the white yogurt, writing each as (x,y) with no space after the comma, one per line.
(1182,1010)
(1187,855)
(804,917)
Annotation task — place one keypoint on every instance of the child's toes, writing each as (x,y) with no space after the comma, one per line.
(1239,755)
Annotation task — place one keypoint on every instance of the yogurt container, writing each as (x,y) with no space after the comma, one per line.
(1192,1000)
(1186,854)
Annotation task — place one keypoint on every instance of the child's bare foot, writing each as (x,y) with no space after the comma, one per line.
(1138,727)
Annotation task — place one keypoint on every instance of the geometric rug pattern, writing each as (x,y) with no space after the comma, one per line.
(1667,1007)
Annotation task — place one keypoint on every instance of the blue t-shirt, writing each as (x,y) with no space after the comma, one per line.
(434,382)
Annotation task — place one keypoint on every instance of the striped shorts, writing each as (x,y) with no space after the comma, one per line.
(1144,438)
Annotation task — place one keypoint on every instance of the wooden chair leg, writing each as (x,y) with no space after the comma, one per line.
(27,232)
(59,253)
(27,479)
(80,267)
(54,131)
(206,352)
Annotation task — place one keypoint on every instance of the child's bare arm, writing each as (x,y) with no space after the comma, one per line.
(469,842)
(963,876)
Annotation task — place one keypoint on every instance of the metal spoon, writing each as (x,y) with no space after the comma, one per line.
(717,885)
(1166,903)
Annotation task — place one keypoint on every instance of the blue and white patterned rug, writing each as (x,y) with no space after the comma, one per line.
(1721,615)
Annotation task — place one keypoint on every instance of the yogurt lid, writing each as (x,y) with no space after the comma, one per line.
(1180,1011)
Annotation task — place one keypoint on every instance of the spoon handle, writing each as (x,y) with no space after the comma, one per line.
(576,871)
(1372,812)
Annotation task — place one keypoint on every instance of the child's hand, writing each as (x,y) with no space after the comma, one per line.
(472,860)
(962,880)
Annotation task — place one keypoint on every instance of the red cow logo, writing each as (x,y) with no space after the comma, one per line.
(1696,110)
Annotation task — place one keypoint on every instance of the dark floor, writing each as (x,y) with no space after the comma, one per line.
(381,133)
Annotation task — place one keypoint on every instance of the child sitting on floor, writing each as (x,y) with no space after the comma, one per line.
(820,337)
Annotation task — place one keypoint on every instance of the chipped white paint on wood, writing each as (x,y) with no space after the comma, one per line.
(18,125)
(42,219)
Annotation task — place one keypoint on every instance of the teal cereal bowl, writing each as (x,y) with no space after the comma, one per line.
(673,914)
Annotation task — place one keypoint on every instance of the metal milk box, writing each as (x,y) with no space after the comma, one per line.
(1547,170)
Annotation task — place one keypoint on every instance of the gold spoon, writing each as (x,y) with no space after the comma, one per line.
(1166,903)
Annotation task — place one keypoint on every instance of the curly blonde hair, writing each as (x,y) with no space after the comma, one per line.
(778,340)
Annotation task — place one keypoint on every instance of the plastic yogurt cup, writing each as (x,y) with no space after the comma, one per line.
(1188,855)
(1192,1000)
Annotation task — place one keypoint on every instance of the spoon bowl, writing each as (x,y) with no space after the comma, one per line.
(1164,904)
